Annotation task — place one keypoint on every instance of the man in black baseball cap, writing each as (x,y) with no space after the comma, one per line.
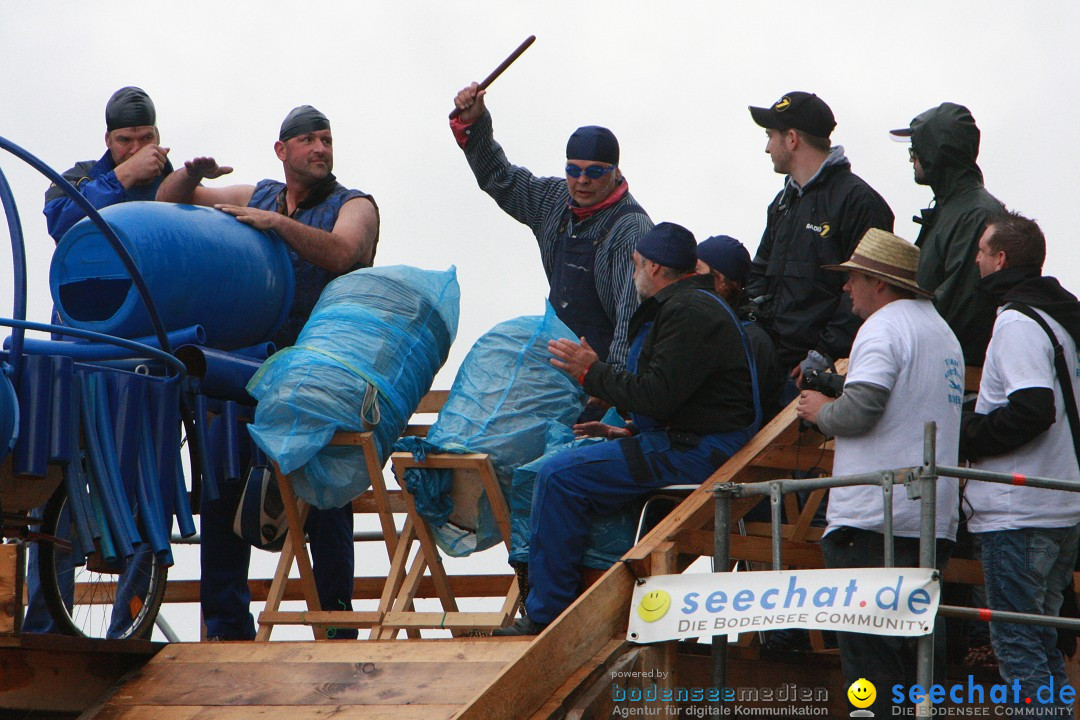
(817,219)
(131,169)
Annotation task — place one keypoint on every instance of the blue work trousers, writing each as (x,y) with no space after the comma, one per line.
(577,484)
(1026,571)
(225,556)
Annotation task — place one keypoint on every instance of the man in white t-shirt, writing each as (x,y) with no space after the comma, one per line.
(906,369)
(1029,535)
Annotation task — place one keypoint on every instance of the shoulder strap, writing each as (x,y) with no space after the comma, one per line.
(749,357)
(1061,367)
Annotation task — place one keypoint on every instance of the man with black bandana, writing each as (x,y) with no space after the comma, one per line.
(587,224)
(330,230)
(131,169)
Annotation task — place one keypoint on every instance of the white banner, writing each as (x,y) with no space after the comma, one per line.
(879,601)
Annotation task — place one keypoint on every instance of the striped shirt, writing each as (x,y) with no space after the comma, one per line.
(541,203)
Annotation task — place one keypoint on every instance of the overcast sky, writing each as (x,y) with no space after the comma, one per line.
(672,80)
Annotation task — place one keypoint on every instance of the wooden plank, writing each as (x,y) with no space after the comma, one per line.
(352,684)
(364,588)
(11,587)
(448,620)
(793,457)
(481,649)
(580,690)
(273,712)
(320,618)
(365,502)
(432,402)
(579,633)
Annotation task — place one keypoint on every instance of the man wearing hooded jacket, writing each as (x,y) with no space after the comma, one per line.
(1029,535)
(944,147)
(817,219)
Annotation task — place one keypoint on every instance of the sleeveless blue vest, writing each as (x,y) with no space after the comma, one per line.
(310,279)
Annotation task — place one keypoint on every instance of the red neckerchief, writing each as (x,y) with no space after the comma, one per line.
(583,213)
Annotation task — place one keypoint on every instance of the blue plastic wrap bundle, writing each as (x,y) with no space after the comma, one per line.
(611,535)
(504,397)
(382,330)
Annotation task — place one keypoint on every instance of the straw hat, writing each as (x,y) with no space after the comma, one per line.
(888,257)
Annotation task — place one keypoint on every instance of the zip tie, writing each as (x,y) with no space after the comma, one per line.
(1018,479)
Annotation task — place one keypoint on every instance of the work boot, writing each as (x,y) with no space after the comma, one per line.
(522,626)
(522,571)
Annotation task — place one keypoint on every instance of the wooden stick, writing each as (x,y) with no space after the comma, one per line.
(499,70)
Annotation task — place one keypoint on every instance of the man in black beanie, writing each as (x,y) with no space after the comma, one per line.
(329,230)
(689,388)
(586,224)
(131,169)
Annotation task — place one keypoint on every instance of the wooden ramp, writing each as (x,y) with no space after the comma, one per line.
(376,680)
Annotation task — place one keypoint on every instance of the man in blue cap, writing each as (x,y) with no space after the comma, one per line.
(586,224)
(330,230)
(132,167)
(727,262)
(688,387)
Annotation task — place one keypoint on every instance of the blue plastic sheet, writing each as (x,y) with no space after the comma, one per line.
(377,331)
(610,536)
(504,398)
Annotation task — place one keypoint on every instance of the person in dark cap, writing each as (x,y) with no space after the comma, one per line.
(817,219)
(330,230)
(727,262)
(132,168)
(689,389)
(586,223)
(944,147)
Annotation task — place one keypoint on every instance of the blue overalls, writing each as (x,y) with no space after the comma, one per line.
(596,479)
(225,556)
(573,282)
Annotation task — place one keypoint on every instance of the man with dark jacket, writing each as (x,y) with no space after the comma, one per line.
(132,167)
(688,385)
(727,262)
(586,224)
(817,219)
(1029,536)
(944,147)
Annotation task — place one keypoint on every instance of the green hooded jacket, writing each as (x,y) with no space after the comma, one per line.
(946,141)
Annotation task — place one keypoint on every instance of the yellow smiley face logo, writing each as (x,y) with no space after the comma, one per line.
(782,104)
(862,693)
(654,605)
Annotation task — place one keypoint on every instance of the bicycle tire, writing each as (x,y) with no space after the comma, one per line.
(89,614)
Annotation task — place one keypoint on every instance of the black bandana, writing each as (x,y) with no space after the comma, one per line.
(129,107)
(302,120)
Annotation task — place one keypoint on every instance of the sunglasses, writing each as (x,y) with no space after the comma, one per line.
(594,172)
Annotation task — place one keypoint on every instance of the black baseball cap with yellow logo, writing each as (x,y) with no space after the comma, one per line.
(797,111)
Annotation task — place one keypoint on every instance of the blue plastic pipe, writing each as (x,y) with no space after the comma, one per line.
(149,493)
(105,541)
(222,375)
(61,448)
(230,445)
(182,502)
(210,488)
(87,351)
(259,352)
(18,257)
(111,458)
(111,515)
(31,453)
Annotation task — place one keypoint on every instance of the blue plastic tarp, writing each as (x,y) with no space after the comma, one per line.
(376,334)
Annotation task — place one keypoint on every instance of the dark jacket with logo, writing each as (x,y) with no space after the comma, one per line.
(946,140)
(802,306)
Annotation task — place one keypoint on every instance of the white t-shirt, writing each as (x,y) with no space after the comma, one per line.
(908,349)
(1020,356)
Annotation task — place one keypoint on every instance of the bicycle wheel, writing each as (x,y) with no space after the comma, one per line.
(82,598)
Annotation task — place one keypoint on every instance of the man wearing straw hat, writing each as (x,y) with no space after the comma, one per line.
(1021,426)
(906,369)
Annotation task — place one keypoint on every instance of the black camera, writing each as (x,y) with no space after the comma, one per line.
(827,383)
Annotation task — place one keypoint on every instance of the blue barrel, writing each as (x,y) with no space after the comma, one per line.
(202,266)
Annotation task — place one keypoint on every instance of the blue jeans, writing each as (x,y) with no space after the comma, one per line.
(883,660)
(576,484)
(1026,571)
